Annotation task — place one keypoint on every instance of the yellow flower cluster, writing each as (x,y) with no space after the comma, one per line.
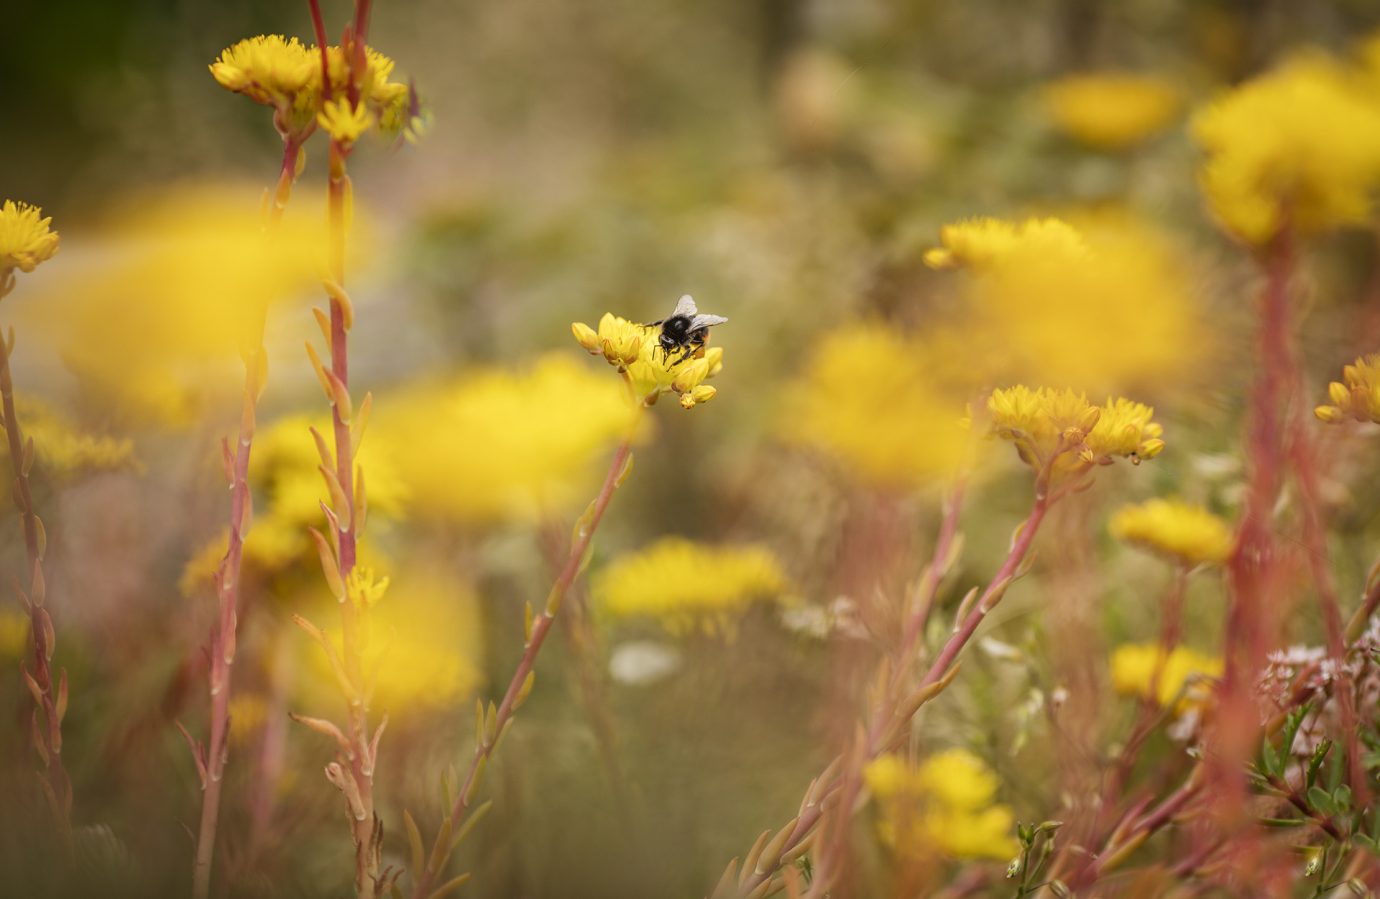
(25,240)
(283,469)
(1110,306)
(1171,527)
(1297,146)
(286,74)
(178,281)
(868,400)
(505,445)
(1357,395)
(1111,110)
(62,449)
(648,370)
(684,584)
(1186,670)
(1044,421)
(423,647)
(946,803)
(984,243)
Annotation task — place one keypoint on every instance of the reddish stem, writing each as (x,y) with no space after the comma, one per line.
(879,739)
(48,738)
(541,626)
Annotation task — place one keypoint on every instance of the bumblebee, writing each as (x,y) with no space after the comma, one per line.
(686,330)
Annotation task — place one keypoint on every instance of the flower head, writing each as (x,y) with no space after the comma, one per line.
(682,583)
(63,449)
(1109,305)
(364,588)
(870,400)
(498,444)
(1357,395)
(1111,110)
(286,74)
(647,369)
(1184,671)
(25,240)
(1299,146)
(1045,422)
(1173,528)
(276,71)
(423,651)
(345,121)
(946,802)
(981,243)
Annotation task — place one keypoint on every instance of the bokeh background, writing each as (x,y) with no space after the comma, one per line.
(788,163)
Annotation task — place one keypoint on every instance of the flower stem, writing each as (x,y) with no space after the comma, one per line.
(212,758)
(47,735)
(487,744)
(888,726)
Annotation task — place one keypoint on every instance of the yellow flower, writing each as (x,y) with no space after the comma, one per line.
(981,243)
(1044,421)
(285,74)
(648,370)
(869,400)
(683,583)
(422,646)
(945,803)
(505,445)
(179,281)
(1108,307)
(1296,146)
(275,71)
(363,588)
(344,121)
(1133,668)
(25,240)
(63,450)
(1110,110)
(1177,529)
(1357,395)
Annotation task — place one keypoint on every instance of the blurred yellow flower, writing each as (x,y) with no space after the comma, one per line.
(25,240)
(364,588)
(1108,308)
(61,449)
(1111,110)
(869,401)
(284,475)
(648,370)
(1133,668)
(344,121)
(14,634)
(248,711)
(423,643)
(285,465)
(684,584)
(946,803)
(154,309)
(1042,421)
(982,243)
(1174,528)
(1357,395)
(496,444)
(1296,146)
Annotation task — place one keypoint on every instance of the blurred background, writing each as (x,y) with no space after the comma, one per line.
(786,162)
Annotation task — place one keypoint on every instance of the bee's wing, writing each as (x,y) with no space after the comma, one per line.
(685,307)
(705,321)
